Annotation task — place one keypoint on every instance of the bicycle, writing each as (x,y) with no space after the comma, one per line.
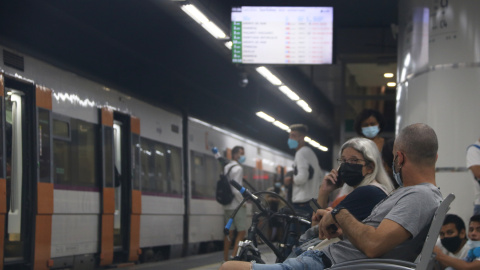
(248,249)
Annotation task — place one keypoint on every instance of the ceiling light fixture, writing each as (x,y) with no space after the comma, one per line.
(265,117)
(214,30)
(388,75)
(304,105)
(201,19)
(268,75)
(281,126)
(391,84)
(285,127)
(289,93)
(229,45)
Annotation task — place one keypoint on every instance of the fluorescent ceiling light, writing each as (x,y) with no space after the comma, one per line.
(214,30)
(229,44)
(196,14)
(265,117)
(281,125)
(289,93)
(268,75)
(303,104)
(307,139)
(317,145)
(388,75)
(391,84)
(201,19)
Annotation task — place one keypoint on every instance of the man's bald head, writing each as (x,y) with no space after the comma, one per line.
(419,143)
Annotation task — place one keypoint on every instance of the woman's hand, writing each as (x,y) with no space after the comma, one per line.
(329,182)
(328,185)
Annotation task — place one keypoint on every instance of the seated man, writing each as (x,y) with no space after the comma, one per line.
(397,226)
(453,237)
(472,260)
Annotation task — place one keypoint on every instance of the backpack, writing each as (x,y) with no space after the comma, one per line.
(223,193)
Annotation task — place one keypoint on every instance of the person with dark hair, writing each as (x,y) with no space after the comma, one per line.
(369,124)
(387,159)
(453,237)
(397,226)
(472,259)
(235,172)
(307,174)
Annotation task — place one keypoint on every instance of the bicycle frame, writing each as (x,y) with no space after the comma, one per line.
(250,244)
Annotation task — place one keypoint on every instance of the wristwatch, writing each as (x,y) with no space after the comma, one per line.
(335,212)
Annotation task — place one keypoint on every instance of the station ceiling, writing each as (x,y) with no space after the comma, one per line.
(153,51)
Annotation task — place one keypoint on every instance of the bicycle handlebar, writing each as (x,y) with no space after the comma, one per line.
(300,219)
(245,192)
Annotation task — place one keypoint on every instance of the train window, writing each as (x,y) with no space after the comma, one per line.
(205,172)
(161,168)
(212,173)
(153,162)
(136,148)
(61,128)
(248,175)
(75,160)
(108,155)
(44,146)
(175,169)
(199,186)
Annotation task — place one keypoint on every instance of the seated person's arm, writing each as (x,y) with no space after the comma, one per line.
(374,242)
(458,264)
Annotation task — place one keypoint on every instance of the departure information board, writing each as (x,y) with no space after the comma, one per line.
(282,35)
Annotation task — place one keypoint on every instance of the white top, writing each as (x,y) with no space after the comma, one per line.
(235,174)
(303,188)
(473,158)
(461,254)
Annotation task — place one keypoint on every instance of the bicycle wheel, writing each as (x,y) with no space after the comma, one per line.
(271,227)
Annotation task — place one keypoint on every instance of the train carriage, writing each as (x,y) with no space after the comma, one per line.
(91,176)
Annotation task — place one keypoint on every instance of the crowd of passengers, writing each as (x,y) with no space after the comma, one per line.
(375,217)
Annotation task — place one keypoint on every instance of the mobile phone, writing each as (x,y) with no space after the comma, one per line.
(339,182)
(314,205)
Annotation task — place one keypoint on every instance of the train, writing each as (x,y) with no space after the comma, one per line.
(90,176)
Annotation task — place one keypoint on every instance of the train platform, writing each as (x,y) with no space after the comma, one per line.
(210,261)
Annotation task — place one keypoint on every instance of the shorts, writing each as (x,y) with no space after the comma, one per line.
(239,221)
(310,259)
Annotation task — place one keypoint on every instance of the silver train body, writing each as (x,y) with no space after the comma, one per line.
(90,176)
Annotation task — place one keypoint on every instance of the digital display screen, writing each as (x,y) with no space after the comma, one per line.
(282,35)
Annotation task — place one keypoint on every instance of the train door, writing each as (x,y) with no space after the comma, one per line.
(17,153)
(127,195)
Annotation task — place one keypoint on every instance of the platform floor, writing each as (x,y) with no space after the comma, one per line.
(210,261)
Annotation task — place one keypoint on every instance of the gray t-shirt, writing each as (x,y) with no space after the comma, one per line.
(412,207)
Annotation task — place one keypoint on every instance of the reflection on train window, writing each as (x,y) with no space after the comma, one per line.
(61,128)
(260,180)
(75,160)
(161,168)
(205,173)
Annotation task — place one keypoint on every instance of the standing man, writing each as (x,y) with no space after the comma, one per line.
(453,237)
(473,163)
(307,174)
(234,171)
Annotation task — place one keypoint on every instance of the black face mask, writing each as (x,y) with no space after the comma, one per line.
(451,243)
(350,173)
